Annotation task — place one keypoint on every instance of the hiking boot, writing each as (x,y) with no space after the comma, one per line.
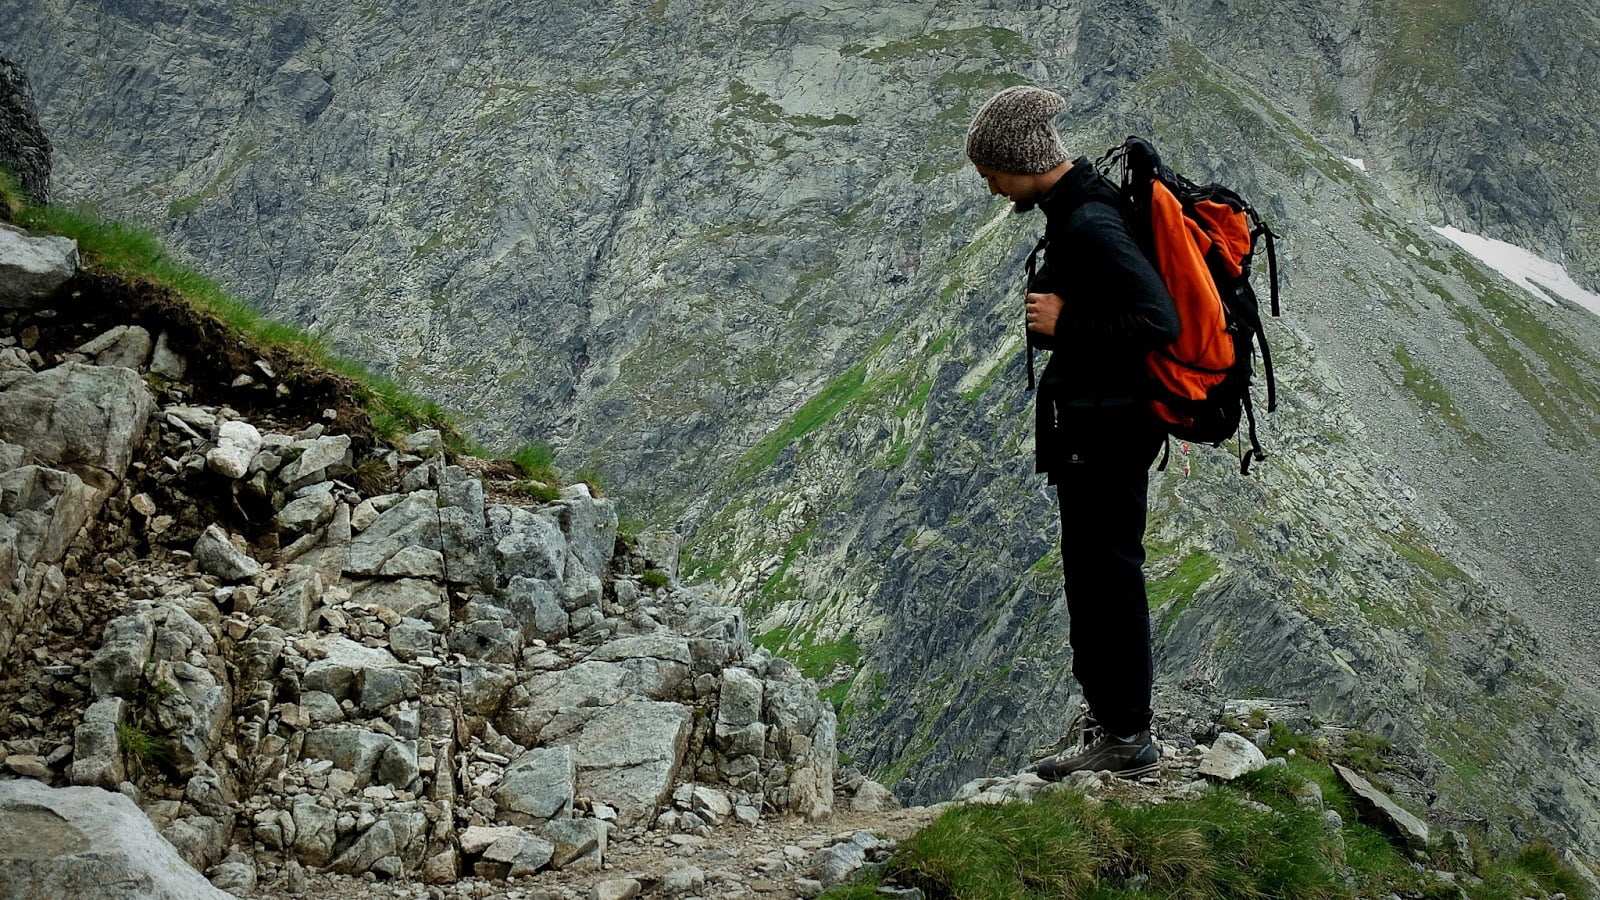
(1124,759)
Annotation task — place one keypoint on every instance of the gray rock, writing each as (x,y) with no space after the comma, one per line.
(342,662)
(374,844)
(528,543)
(478,838)
(317,456)
(710,804)
(683,879)
(873,797)
(378,687)
(577,843)
(86,842)
(834,865)
(426,442)
(165,361)
(306,514)
(33,268)
(210,793)
(739,698)
(217,556)
(628,756)
(96,754)
(1231,756)
(615,889)
(235,875)
(130,349)
(290,606)
(366,754)
(536,605)
(406,596)
(124,649)
(1382,813)
(412,523)
(524,852)
(25,149)
(238,443)
(538,786)
(87,418)
(198,840)
(315,831)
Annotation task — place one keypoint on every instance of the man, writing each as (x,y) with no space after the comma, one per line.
(1101,306)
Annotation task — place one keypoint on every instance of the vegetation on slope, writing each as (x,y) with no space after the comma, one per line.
(1254,838)
(139,256)
(135,259)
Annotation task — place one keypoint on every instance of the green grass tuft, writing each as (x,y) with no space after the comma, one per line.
(139,254)
(654,578)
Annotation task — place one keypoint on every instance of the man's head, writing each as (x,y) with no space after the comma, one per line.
(1013,144)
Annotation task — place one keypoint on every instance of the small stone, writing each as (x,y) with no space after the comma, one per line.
(1230,757)
(28,766)
(615,889)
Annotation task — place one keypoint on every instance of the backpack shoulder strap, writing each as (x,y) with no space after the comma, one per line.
(1033,268)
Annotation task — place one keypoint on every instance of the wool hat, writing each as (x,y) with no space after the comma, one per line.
(1015,132)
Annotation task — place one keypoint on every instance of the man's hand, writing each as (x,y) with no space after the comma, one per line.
(1044,310)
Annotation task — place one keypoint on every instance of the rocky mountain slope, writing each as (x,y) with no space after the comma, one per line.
(439,681)
(417,680)
(746,275)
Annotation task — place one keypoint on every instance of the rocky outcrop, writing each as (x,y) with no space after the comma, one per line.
(24,148)
(86,842)
(409,679)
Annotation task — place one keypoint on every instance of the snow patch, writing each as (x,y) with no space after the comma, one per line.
(1537,275)
(1360,164)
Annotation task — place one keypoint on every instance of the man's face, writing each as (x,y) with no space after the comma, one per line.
(1019,189)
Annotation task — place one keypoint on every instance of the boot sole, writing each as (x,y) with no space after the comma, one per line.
(1140,771)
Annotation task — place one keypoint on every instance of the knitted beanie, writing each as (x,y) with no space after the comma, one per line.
(1015,132)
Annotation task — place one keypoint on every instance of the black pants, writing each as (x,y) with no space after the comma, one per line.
(1103,507)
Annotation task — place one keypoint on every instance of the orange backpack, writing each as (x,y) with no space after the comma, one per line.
(1201,239)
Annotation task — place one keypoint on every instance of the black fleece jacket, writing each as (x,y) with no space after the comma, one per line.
(1116,310)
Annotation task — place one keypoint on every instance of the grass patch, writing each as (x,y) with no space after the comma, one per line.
(1251,838)
(816,412)
(1426,387)
(1063,845)
(654,578)
(1414,549)
(1180,585)
(140,255)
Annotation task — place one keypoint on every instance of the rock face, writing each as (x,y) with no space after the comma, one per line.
(195,615)
(24,148)
(86,842)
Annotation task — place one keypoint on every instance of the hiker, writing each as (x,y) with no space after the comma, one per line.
(1101,307)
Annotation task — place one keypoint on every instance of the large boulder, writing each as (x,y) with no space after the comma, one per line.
(33,268)
(537,787)
(629,755)
(84,418)
(87,842)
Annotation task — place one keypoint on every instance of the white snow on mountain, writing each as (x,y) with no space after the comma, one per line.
(1539,276)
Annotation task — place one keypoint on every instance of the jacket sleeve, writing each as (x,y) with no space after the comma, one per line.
(1132,303)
